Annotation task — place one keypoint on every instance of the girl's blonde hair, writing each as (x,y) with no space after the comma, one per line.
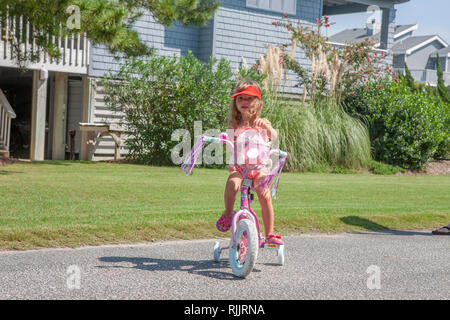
(235,115)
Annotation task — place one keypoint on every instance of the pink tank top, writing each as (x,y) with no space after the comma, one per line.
(251,147)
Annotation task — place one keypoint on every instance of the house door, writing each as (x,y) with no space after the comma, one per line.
(74,116)
(16,87)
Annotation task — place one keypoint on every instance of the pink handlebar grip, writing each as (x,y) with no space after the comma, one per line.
(223,137)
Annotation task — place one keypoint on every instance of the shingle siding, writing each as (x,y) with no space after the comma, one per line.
(206,41)
(245,32)
(177,39)
(419,58)
(236,31)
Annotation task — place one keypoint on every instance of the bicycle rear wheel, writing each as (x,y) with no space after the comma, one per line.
(244,253)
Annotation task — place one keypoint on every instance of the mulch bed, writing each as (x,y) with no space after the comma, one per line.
(432,168)
(4,161)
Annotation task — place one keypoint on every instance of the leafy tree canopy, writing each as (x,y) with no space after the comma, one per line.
(107,22)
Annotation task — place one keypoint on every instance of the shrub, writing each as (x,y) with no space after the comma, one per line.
(384,169)
(162,94)
(443,149)
(406,128)
(319,135)
(441,89)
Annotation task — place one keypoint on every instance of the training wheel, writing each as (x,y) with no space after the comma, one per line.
(280,255)
(216,251)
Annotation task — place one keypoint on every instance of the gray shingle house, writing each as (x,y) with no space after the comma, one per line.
(373,34)
(53,97)
(418,52)
(444,55)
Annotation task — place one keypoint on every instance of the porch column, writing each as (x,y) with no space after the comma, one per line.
(88,103)
(387,28)
(38,113)
(60,116)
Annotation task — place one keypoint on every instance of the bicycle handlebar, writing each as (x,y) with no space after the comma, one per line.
(212,139)
(223,140)
(189,162)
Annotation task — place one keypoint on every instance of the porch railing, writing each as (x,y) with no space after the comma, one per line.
(6,114)
(18,31)
(425,75)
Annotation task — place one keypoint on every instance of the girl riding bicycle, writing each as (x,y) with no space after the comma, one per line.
(245,112)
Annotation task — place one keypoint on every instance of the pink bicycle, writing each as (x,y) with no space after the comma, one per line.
(246,236)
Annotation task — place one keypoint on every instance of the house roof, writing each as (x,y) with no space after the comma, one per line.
(402,29)
(365,2)
(337,2)
(332,7)
(410,44)
(356,35)
(444,52)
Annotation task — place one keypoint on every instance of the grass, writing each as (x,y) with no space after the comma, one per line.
(70,204)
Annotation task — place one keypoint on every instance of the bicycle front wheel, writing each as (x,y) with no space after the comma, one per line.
(244,252)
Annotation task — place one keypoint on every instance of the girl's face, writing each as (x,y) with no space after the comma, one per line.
(244,103)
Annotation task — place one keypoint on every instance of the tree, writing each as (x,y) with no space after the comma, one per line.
(334,71)
(107,22)
(409,78)
(441,88)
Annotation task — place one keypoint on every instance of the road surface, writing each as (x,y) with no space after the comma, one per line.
(372,265)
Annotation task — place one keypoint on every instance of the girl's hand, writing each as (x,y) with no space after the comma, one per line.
(266,125)
(263,123)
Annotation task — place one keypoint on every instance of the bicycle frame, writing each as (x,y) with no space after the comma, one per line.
(245,210)
(246,213)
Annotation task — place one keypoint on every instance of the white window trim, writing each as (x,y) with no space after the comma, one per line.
(272,10)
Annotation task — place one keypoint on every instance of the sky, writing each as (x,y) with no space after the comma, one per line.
(432,16)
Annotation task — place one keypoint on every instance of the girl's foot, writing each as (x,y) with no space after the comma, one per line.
(224,223)
(273,239)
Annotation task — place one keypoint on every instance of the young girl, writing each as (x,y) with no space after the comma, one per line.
(245,113)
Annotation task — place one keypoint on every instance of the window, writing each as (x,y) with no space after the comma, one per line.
(397,61)
(431,64)
(283,6)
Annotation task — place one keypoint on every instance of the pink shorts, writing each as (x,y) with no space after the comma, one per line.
(252,174)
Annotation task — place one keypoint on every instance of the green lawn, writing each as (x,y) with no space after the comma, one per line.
(58,204)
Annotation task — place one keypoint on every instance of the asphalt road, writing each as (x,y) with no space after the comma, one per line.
(378,265)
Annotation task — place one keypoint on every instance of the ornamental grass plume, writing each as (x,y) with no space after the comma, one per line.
(338,67)
(270,64)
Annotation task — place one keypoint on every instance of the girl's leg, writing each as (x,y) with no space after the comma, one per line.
(232,187)
(265,200)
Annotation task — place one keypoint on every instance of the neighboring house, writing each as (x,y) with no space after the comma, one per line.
(444,55)
(356,35)
(53,97)
(418,52)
